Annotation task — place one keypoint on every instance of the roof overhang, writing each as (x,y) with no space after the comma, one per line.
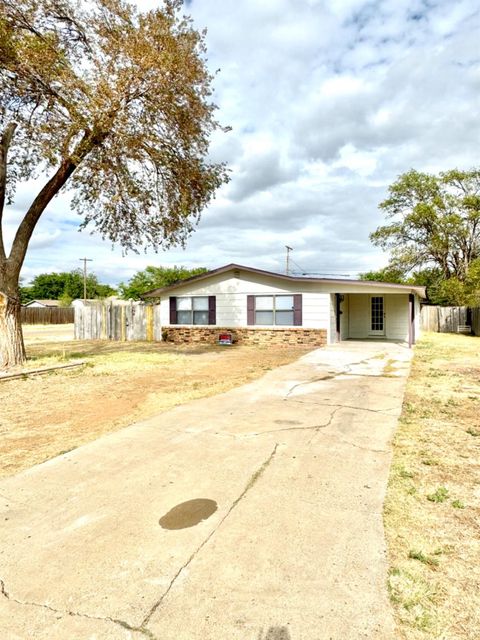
(395,288)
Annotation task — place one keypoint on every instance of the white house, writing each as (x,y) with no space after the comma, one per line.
(42,304)
(256,306)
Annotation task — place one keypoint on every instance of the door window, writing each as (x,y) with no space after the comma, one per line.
(377,313)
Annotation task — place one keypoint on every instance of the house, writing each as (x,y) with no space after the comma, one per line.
(80,302)
(262,307)
(42,304)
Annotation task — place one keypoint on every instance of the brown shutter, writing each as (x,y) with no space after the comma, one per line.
(297,310)
(173,310)
(212,310)
(250,309)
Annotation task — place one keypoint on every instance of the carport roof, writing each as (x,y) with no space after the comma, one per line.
(155,293)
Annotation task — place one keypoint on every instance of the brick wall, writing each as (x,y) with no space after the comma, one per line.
(297,335)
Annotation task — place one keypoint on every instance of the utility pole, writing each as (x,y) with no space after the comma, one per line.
(287,266)
(85,260)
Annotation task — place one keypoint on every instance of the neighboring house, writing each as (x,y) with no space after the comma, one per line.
(260,307)
(43,304)
(79,302)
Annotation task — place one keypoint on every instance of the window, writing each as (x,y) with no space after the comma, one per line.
(192,310)
(274,310)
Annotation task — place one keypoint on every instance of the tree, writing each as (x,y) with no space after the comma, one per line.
(67,285)
(115,104)
(154,278)
(434,222)
(387,274)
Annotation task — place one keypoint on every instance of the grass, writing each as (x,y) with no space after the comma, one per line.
(422,557)
(439,495)
(44,416)
(432,509)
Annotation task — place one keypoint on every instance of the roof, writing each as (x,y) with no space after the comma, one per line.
(46,303)
(155,293)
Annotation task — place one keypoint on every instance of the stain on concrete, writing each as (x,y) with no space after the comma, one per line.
(188,514)
(287,422)
(275,633)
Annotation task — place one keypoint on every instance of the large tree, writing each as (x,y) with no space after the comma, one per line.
(434,222)
(114,104)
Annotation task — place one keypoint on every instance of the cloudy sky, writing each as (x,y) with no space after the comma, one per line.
(329,101)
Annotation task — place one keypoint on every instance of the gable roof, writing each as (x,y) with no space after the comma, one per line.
(155,293)
(45,303)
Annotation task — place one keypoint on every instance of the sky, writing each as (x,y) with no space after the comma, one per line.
(329,101)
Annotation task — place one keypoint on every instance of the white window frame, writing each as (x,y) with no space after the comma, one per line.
(274,311)
(192,310)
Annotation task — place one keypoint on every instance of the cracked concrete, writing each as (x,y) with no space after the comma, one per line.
(297,462)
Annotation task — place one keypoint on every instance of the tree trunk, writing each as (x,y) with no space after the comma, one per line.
(12,349)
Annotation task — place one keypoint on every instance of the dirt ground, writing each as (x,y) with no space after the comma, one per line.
(43,416)
(432,511)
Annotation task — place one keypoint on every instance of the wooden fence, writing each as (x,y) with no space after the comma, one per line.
(47,315)
(476,321)
(118,321)
(451,319)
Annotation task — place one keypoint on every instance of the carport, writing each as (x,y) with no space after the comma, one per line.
(376,315)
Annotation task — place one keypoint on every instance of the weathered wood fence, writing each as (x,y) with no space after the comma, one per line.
(117,321)
(47,315)
(476,321)
(451,319)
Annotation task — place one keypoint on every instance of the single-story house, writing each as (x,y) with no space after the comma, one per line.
(42,304)
(79,302)
(262,307)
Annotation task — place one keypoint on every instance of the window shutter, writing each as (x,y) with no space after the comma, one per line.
(250,309)
(173,310)
(297,310)
(212,310)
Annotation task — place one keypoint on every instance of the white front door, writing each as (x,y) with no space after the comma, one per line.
(377,316)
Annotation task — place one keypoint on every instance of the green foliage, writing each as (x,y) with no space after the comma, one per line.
(155,278)
(423,557)
(387,274)
(65,286)
(434,221)
(25,294)
(433,235)
(65,300)
(439,495)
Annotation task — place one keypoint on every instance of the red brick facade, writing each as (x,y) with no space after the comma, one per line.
(287,337)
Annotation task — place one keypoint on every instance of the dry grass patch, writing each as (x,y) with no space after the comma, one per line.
(432,510)
(43,416)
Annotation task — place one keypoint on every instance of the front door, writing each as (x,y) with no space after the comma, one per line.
(377,316)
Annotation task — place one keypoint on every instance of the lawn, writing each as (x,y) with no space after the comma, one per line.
(432,510)
(43,416)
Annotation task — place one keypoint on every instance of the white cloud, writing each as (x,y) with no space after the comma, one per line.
(329,101)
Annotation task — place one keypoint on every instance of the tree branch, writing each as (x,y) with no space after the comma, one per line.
(53,186)
(5,143)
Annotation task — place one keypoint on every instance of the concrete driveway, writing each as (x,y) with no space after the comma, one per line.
(280,538)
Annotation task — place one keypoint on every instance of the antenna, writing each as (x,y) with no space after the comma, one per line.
(287,265)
